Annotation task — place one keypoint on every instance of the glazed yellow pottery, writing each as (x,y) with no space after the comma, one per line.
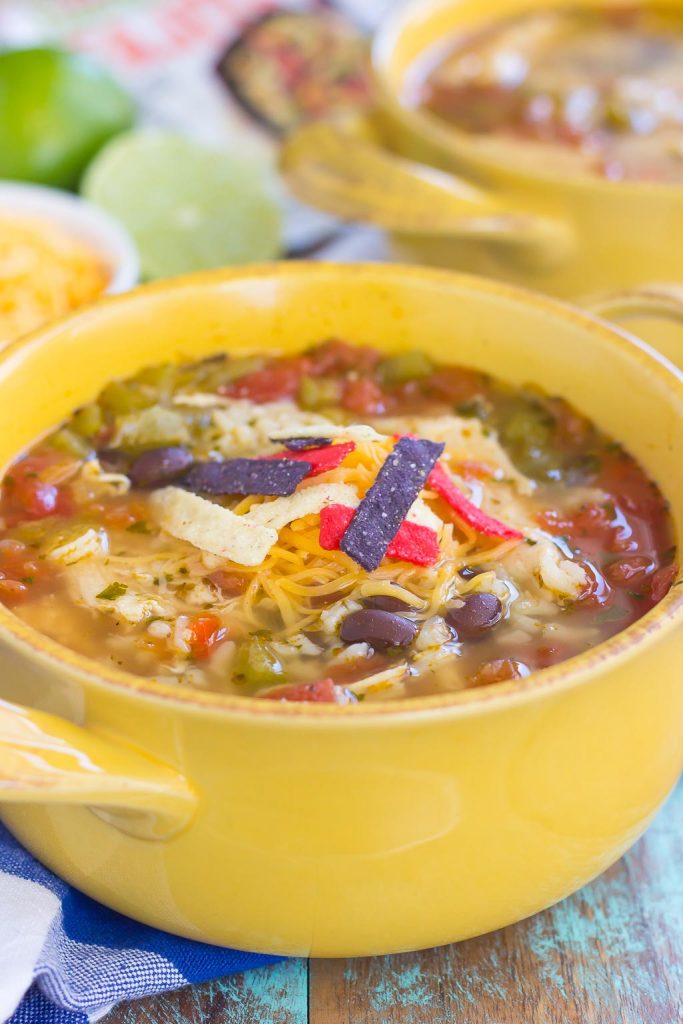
(473,202)
(337,830)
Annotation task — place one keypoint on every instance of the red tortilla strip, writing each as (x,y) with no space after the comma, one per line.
(413,542)
(484,524)
(334,520)
(320,459)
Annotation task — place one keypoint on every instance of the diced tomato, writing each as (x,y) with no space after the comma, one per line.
(630,571)
(662,582)
(622,476)
(270,384)
(598,593)
(570,427)
(455,384)
(498,671)
(35,498)
(590,526)
(12,591)
(536,654)
(467,512)
(364,396)
(596,529)
(322,692)
(19,570)
(123,514)
(321,459)
(205,633)
(334,357)
(35,487)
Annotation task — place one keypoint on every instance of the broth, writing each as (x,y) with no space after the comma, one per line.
(602,89)
(529,537)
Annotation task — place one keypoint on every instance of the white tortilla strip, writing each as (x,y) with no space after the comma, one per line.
(281,511)
(153,426)
(243,539)
(420,512)
(201,400)
(212,528)
(359,432)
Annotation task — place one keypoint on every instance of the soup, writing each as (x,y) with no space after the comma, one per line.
(601,88)
(336,526)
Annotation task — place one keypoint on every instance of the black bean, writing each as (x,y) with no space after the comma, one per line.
(474,615)
(468,572)
(385,603)
(160,466)
(378,628)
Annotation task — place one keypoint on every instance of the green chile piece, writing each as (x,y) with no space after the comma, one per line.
(317,393)
(162,377)
(70,443)
(151,428)
(404,367)
(120,399)
(87,421)
(527,434)
(257,664)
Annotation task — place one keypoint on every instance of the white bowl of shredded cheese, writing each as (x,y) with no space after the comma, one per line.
(57,252)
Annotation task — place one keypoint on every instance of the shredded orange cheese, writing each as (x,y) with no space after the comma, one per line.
(44,273)
(298,573)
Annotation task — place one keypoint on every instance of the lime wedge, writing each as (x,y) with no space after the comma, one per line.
(188,207)
(56,110)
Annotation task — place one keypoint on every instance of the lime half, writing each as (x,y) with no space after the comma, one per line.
(56,110)
(188,207)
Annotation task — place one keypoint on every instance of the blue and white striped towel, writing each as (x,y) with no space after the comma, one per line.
(65,959)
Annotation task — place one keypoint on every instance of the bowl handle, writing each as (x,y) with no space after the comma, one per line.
(46,760)
(342,168)
(656,299)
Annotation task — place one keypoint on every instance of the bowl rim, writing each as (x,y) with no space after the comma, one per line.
(469,147)
(84,219)
(666,616)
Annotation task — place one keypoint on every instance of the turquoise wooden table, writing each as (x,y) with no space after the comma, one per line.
(611,954)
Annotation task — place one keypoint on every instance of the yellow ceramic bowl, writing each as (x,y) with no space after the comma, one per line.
(333,830)
(500,211)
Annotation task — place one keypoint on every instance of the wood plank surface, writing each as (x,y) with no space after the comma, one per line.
(611,954)
(271,995)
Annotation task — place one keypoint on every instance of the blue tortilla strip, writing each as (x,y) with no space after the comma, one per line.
(301,444)
(268,477)
(387,503)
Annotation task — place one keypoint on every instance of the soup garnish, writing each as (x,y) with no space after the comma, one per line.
(334,526)
(45,272)
(602,87)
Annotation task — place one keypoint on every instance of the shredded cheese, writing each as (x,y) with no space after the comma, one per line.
(44,273)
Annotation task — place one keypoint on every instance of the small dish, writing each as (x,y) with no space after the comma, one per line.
(81,219)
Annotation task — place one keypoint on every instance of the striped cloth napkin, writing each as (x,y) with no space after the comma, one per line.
(65,959)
